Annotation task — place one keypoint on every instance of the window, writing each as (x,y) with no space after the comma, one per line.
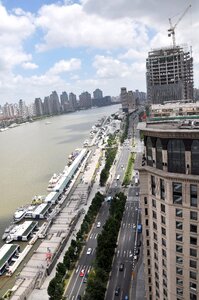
(164,242)
(195,157)
(193,228)
(177,193)
(179,213)
(155,236)
(149,262)
(147,243)
(159,154)
(154,203)
(179,291)
(164,263)
(154,215)
(179,271)
(164,282)
(176,156)
(179,237)
(163,220)
(179,281)
(149,155)
(193,195)
(163,230)
(155,256)
(193,296)
(164,273)
(193,264)
(155,246)
(193,275)
(147,222)
(193,252)
(154,225)
(145,200)
(146,212)
(179,225)
(164,253)
(162,207)
(193,240)
(153,185)
(162,189)
(147,232)
(193,286)
(179,248)
(148,252)
(179,260)
(194,215)
(149,271)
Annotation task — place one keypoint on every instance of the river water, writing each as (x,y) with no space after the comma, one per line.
(31,153)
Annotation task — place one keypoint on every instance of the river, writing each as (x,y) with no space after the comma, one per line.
(31,153)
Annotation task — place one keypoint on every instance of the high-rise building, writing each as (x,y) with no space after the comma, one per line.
(97,94)
(22,109)
(38,107)
(54,98)
(47,106)
(73,101)
(85,100)
(124,99)
(169,196)
(169,75)
(64,101)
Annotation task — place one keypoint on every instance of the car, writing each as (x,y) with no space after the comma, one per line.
(117,291)
(126,298)
(79,297)
(89,251)
(82,273)
(137,194)
(122,166)
(98,224)
(137,251)
(139,243)
(121,267)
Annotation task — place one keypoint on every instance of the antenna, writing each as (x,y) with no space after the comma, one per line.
(171,30)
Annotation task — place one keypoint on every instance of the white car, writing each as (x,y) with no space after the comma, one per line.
(89,251)
(98,224)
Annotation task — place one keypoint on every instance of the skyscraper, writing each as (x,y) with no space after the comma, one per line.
(97,94)
(169,74)
(169,193)
(85,100)
(54,98)
(38,107)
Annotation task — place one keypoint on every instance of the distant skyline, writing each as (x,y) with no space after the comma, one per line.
(77,46)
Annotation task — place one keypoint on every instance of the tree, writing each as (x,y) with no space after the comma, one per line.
(55,289)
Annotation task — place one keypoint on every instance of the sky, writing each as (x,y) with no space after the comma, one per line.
(77,46)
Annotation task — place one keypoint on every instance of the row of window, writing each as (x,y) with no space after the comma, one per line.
(177,192)
(176,156)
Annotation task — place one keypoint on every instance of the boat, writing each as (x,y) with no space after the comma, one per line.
(47,123)
(73,155)
(53,181)
(38,199)
(7,231)
(20,213)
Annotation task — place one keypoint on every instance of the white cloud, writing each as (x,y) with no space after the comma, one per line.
(14,30)
(29,66)
(71,26)
(65,66)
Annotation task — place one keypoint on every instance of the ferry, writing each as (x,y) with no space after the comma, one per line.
(73,155)
(7,231)
(20,213)
(53,181)
(38,199)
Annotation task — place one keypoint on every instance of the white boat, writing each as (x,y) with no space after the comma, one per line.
(53,181)
(7,231)
(20,213)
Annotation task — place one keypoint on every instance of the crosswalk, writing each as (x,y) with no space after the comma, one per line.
(93,236)
(124,253)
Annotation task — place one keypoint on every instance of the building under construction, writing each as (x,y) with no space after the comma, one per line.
(169,75)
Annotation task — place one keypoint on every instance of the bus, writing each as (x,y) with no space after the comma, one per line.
(118,177)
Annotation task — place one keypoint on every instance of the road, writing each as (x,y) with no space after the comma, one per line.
(126,249)
(126,240)
(77,283)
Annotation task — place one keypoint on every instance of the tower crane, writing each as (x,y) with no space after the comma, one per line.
(171,30)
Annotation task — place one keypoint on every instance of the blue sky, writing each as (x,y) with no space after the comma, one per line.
(83,45)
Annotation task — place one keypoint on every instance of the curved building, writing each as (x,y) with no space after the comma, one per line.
(169,191)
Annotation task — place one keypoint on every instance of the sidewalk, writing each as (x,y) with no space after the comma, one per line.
(42,292)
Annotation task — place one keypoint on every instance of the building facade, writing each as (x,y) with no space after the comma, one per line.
(169,75)
(169,195)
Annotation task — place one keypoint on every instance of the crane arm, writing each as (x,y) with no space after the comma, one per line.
(182,16)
